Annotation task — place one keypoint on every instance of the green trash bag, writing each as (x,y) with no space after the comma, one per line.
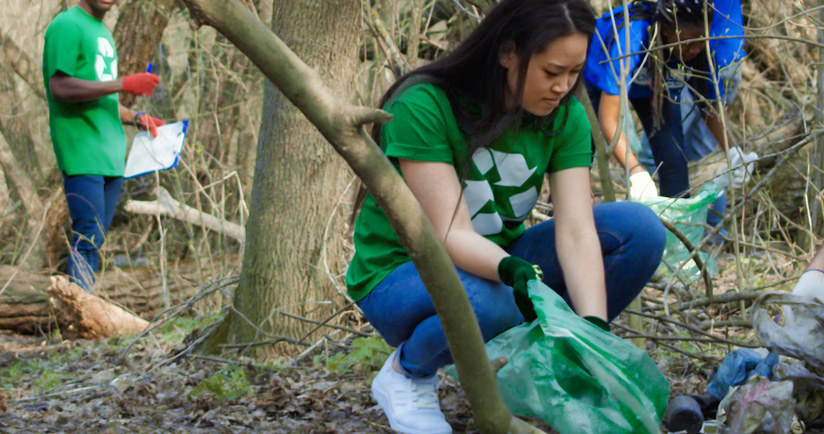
(689,216)
(574,376)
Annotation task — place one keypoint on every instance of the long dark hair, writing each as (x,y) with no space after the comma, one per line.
(472,71)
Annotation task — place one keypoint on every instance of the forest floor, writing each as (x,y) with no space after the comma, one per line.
(123,385)
(84,387)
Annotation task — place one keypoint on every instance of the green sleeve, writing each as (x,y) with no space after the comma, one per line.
(61,49)
(418,130)
(573,147)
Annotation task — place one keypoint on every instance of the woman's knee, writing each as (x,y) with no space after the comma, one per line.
(649,237)
(634,226)
(649,231)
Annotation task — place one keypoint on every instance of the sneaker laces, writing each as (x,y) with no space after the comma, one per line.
(422,395)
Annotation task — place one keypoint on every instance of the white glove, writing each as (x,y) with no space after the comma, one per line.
(740,165)
(811,284)
(642,187)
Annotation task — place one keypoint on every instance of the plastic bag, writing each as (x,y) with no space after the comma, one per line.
(803,340)
(808,392)
(575,376)
(689,216)
(758,406)
(737,367)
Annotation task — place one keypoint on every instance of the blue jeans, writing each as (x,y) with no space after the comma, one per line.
(667,145)
(632,242)
(92,200)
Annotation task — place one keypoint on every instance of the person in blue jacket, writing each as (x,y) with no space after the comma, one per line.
(728,53)
(678,91)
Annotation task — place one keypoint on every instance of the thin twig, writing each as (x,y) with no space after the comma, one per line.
(181,307)
(688,327)
(324,322)
(280,339)
(693,254)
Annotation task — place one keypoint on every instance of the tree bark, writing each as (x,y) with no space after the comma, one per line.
(342,125)
(26,68)
(34,210)
(298,181)
(137,33)
(5,201)
(14,125)
(816,176)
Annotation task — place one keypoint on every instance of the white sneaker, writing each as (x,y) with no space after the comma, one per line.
(411,405)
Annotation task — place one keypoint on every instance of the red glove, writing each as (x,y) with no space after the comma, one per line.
(146,122)
(140,84)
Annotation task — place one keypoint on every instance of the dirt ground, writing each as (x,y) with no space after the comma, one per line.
(148,392)
(52,386)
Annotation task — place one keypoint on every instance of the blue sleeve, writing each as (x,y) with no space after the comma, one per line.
(605,75)
(727,21)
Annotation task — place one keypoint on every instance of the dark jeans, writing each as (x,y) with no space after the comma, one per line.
(92,200)
(632,242)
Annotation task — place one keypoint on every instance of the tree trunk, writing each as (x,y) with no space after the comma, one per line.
(26,68)
(137,33)
(816,165)
(14,125)
(5,201)
(34,210)
(298,181)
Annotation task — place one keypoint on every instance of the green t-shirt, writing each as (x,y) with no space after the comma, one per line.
(501,186)
(87,137)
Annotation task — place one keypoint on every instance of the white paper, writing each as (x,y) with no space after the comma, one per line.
(149,154)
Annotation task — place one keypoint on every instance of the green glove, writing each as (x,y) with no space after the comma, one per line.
(516,272)
(600,323)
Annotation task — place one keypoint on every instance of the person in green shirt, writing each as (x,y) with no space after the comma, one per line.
(85,120)
(473,135)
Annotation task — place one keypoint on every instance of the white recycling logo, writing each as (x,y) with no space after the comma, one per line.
(105,64)
(514,172)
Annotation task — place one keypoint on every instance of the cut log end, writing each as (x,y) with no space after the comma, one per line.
(85,316)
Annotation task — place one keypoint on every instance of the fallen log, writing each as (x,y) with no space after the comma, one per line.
(24,305)
(86,316)
(166,205)
(25,308)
